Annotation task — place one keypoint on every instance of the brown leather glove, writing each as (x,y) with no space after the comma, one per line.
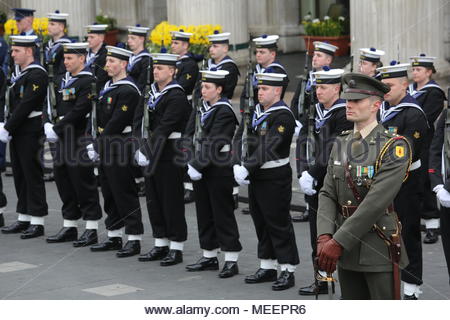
(321,241)
(329,255)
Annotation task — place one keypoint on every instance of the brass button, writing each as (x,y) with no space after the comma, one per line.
(349,166)
(384,228)
(349,202)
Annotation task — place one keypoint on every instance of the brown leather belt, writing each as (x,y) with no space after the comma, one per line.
(348,211)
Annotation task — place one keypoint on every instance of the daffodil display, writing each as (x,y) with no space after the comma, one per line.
(39,26)
(160,36)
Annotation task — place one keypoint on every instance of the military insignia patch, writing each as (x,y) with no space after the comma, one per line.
(416,135)
(280,129)
(188,76)
(35,87)
(392,130)
(124,108)
(399,151)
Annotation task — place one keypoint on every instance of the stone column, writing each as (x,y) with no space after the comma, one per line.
(277,17)
(81,12)
(402,28)
(230,14)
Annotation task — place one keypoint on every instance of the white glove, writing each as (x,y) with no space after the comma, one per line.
(193,173)
(298,127)
(141,159)
(307,184)
(240,173)
(92,154)
(442,195)
(4,134)
(50,133)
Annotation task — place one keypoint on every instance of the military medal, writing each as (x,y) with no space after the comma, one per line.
(21,92)
(371,172)
(358,175)
(263,129)
(392,130)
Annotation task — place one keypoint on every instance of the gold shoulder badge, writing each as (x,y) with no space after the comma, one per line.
(416,135)
(35,87)
(188,76)
(400,151)
(280,129)
(124,108)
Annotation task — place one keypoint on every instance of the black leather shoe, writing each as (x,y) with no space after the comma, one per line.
(157,253)
(302,217)
(229,269)
(285,281)
(110,244)
(64,235)
(204,264)
(431,237)
(321,288)
(89,237)
(131,248)
(16,227)
(188,196)
(236,201)
(172,258)
(262,275)
(245,210)
(2,221)
(33,231)
(409,297)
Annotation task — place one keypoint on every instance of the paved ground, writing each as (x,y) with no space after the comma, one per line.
(33,269)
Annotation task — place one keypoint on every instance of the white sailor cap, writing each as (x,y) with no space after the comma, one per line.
(58,16)
(137,30)
(214,75)
(75,47)
(325,47)
(266,41)
(119,53)
(394,70)
(181,35)
(219,37)
(165,58)
(96,28)
(271,79)
(371,54)
(328,76)
(423,60)
(23,41)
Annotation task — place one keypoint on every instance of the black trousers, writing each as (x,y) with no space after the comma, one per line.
(445,235)
(165,201)
(120,194)
(269,202)
(75,181)
(313,205)
(217,226)
(26,151)
(407,205)
(430,209)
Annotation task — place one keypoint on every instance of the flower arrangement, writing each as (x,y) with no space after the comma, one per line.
(160,36)
(105,19)
(328,27)
(39,26)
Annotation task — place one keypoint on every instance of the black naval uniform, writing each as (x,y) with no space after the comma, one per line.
(431,98)
(214,202)
(3,200)
(27,95)
(328,125)
(96,62)
(115,111)
(74,172)
(187,73)
(229,65)
(54,54)
(169,112)
(270,189)
(436,178)
(137,68)
(408,119)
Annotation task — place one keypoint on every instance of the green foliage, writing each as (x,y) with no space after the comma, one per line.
(105,19)
(328,27)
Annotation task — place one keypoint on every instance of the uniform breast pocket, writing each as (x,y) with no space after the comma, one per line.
(339,179)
